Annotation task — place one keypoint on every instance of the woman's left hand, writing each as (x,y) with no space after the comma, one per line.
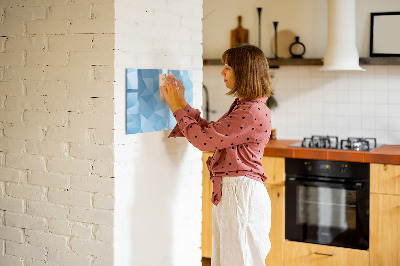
(171,95)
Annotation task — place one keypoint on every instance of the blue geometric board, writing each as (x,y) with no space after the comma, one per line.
(145,110)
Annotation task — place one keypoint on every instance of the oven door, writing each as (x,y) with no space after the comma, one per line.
(327,213)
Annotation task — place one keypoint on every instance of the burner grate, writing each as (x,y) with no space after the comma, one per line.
(327,142)
(358,144)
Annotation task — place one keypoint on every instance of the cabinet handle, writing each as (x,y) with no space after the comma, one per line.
(324,254)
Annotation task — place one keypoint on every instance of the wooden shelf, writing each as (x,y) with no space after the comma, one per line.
(274,63)
(380,61)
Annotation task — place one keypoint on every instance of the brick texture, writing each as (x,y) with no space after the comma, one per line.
(62,117)
(49,104)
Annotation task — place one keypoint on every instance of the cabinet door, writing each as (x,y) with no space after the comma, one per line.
(384,229)
(385,178)
(277,233)
(206,226)
(304,254)
(274,168)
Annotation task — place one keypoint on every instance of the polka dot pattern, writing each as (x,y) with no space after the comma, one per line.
(238,139)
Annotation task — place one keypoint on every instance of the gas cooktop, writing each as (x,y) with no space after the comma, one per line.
(332,142)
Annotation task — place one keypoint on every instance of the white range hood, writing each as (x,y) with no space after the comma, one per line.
(341,51)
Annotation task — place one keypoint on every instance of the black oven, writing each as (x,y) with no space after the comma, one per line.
(327,202)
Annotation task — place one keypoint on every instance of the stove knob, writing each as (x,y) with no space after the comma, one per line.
(308,166)
(343,168)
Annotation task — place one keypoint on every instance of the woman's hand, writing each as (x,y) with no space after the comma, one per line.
(172,94)
(181,91)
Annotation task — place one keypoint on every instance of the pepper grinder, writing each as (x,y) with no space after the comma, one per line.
(276,38)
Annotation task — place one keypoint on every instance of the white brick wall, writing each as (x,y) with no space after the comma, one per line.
(62,141)
(56,132)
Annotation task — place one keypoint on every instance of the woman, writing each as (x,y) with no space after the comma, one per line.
(242,208)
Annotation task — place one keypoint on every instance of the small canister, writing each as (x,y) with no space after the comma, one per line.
(273,134)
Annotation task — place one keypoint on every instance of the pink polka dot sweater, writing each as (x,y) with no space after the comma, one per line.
(238,139)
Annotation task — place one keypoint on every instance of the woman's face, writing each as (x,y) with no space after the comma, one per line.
(229,76)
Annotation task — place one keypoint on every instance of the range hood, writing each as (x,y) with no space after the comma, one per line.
(341,51)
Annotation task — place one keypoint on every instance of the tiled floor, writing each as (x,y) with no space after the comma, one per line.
(206,261)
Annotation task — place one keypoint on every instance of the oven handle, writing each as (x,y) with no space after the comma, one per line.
(357,185)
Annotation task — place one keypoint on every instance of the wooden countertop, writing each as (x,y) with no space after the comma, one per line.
(389,154)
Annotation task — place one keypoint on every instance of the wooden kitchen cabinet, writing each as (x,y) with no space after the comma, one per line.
(305,254)
(206,225)
(385,178)
(277,233)
(384,237)
(274,168)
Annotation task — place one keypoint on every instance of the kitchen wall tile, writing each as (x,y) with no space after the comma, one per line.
(304,72)
(329,122)
(394,83)
(394,137)
(367,96)
(304,82)
(381,136)
(381,97)
(394,110)
(315,72)
(355,96)
(394,97)
(380,84)
(291,71)
(355,132)
(380,71)
(342,122)
(367,83)
(381,122)
(342,109)
(342,133)
(328,74)
(394,123)
(354,76)
(329,93)
(355,109)
(292,82)
(317,107)
(316,82)
(368,123)
(278,83)
(367,110)
(382,110)
(367,133)
(354,83)
(326,102)
(355,122)
(317,131)
(342,80)
(329,109)
(342,96)
(393,71)
(304,109)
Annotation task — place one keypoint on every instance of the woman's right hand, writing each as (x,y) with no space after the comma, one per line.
(181,91)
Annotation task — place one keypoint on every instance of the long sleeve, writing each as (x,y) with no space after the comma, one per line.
(193,113)
(231,130)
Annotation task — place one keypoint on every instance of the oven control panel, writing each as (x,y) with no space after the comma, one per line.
(338,169)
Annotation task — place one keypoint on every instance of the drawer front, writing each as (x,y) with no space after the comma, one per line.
(297,253)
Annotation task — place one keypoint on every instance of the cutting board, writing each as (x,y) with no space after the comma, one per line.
(239,35)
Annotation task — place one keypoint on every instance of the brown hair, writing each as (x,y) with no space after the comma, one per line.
(250,66)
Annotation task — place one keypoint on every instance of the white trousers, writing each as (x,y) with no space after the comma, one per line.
(241,223)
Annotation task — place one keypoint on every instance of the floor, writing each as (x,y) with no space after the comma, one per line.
(206,261)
